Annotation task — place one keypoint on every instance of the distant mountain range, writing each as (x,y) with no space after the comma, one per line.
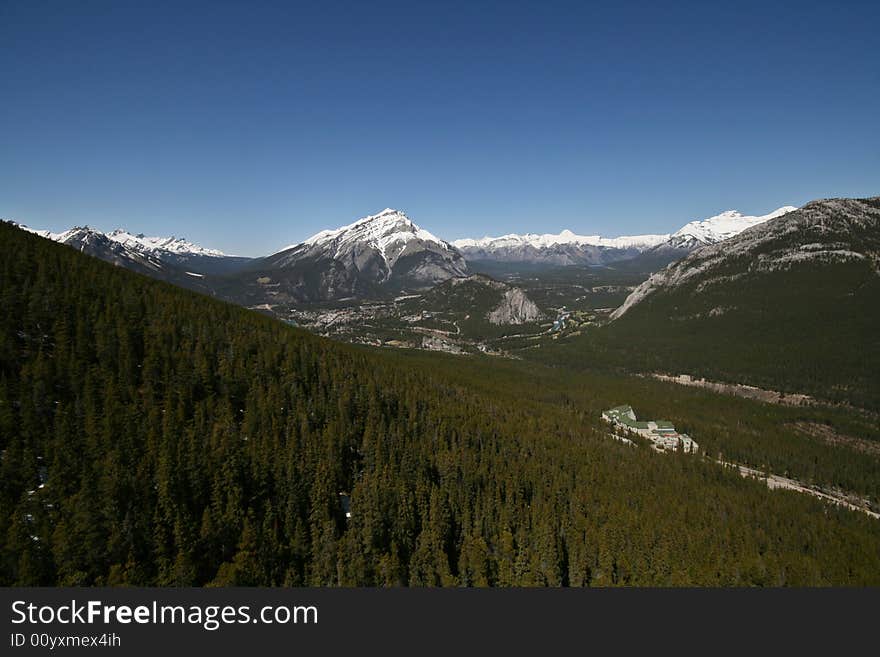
(742,295)
(567,248)
(381,254)
(157,256)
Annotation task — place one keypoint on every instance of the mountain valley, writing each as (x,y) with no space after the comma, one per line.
(360,282)
(153,436)
(385,281)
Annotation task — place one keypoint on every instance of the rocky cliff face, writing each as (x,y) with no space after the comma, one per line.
(515,308)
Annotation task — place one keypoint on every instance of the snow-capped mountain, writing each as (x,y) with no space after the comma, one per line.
(136,242)
(568,248)
(176,245)
(565,237)
(180,252)
(384,249)
(719,228)
(390,234)
(153,253)
(823,233)
(548,240)
(95,243)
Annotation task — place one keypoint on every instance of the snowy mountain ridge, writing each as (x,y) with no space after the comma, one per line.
(173,244)
(721,226)
(568,247)
(388,232)
(136,242)
(565,237)
(383,250)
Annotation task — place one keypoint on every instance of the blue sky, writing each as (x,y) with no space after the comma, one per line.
(248,126)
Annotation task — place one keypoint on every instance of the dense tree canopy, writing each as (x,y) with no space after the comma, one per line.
(153,436)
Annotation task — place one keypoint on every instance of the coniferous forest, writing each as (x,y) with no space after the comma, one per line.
(153,436)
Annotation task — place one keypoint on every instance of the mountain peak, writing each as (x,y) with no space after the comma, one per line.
(723,226)
(378,230)
(388,219)
(370,252)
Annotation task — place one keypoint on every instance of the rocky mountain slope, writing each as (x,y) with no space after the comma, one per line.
(822,233)
(716,229)
(95,243)
(791,304)
(375,255)
(155,256)
(180,252)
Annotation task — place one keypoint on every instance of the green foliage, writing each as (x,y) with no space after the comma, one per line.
(761,435)
(152,436)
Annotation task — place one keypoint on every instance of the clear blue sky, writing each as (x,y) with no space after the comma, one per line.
(247,126)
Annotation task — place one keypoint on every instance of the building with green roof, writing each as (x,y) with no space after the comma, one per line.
(661,433)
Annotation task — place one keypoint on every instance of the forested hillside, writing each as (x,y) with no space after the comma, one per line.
(792,304)
(150,436)
(825,446)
